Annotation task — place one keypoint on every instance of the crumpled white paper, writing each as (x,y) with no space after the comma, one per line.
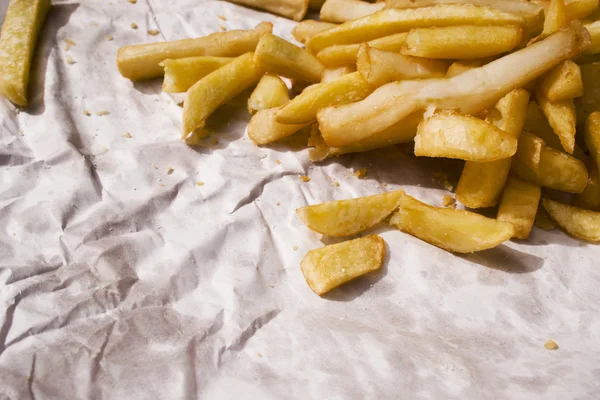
(120,280)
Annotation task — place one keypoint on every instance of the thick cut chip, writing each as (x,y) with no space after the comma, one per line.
(142,61)
(451,135)
(22,25)
(453,230)
(293,9)
(592,136)
(583,224)
(182,73)
(331,266)
(469,93)
(590,101)
(561,117)
(594,30)
(590,198)
(481,184)
(304,107)
(304,30)
(379,67)
(278,56)
(519,205)
(562,83)
(315,4)
(579,9)
(458,67)
(264,129)
(214,90)
(270,92)
(345,54)
(347,10)
(389,21)
(537,163)
(462,42)
(543,219)
(330,75)
(349,217)
(556,18)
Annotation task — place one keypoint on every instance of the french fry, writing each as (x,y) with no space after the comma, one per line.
(579,9)
(214,90)
(142,61)
(451,135)
(562,83)
(347,10)
(270,92)
(304,107)
(590,101)
(462,42)
(264,129)
(458,67)
(537,163)
(182,73)
(469,93)
(292,9)
(315,4)
(590,197)
(452,230)
(592,136)
(481,184)
(22,25)
(278,56)
(577,222)
(379,67)
(519,205)
(345,54)
(333,74)
(594,30)
(561,117)
(556,18)
(543,219)
(331,266)
(349,217)
(389,21)
(304,30)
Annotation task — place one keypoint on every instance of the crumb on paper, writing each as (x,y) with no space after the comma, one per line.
(449,201)
(133,1)
(134,25)
(259,355)
(109,37)
(102,113)
(551,345)
(384,184)
(153,32)
(154,166)
(304,178)
(336,184)
(278,203)
(361,173)
(222,27)
(271,285)
(222,18)
(277,162)
(127,135)
(162,185)
(68,44)
(215,141)
(295,248)
(199,183)
(170,170)
(448,186)
(70,60)
(86,113)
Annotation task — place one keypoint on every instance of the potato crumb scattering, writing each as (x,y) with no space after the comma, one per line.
(277,162)
(153,32)
(361,173)
(133,1)
(448,201)
(222,18)
(305,178)
(86,113)
(295,248)
(551,345)
(336,184)
(70,60)
(170,170)
(109,38)
(134,25)
(68,44)
(127,135)
(199,183)
(222,27)
(102,113)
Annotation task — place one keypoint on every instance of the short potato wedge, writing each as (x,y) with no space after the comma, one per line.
(562,83)
(592,136)
(270,92)
(264,129)
(182,73)
(580,223)
(519,205)
(562,118)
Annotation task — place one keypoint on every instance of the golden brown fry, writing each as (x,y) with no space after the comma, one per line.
(345,54)
(519,205)
(458,67)
(561,117)
(182,73)
(270,92)
(379,67)
(556,18)
(264,129)
(590,197)
(594,30)
(304,107)
(333,74)
(22,24)
(389,21)
(278,56)
(579,9)
(347,10)
(462,42)
(315,4)
(562,83)
(452,230)
(481,184)
(580,223)
(214,90)
(292,9)
(349,217)
(590,101)
(450,135)
(592,136)
(543,219)
(142,61)
(304,30)
(331,266)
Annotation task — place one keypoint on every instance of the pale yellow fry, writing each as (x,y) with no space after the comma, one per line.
(590,197)
(562,82)
(451,135)
(304,107)
(264,129)
(561,117)
(452,230)
(462,42)
(304,30)
(335,73)
(545,166)
(470,92)
(345,54)
(142,61)
(480,183)
(556,17)
(379,67)
(270,92)
(458,67)
(592,136)
(579,9)
(580,223)
(594,30)
(331,266)
(278,56)
(292,9)
(347,10)
(519,205)
(214,90)
(22,24)
(590,101)
(182,73)
(349,217)
(389,21)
